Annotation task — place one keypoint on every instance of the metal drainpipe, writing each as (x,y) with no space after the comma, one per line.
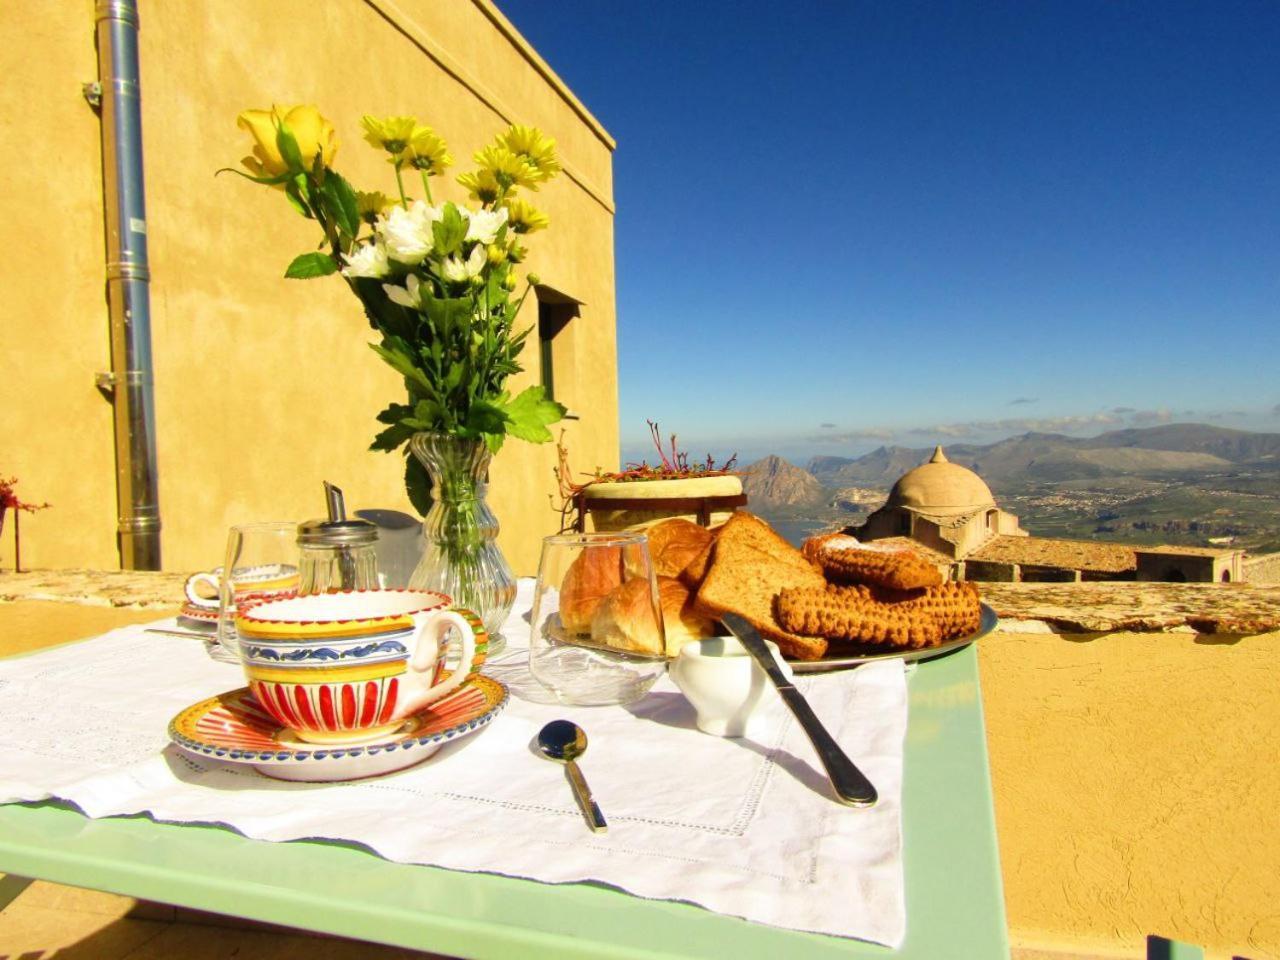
(128,291)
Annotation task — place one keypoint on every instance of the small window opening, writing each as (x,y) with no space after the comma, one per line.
(555,310)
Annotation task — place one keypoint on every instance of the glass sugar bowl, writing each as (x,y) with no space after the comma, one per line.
(338,553)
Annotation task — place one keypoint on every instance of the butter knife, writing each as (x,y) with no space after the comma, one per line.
(851,786)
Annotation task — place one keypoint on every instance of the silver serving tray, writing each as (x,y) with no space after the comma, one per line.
(844,661)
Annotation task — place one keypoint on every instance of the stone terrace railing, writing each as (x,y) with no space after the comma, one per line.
(1102,607)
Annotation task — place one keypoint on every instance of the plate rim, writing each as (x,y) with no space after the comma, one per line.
(288,756)
(988,622)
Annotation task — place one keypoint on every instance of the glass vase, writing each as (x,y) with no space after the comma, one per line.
(460,555)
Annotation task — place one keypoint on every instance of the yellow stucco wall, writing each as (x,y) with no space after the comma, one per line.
(263,386)
(1136,777)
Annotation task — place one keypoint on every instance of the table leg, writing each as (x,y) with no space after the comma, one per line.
(10,887)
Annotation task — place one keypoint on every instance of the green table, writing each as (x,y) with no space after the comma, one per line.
(955,905)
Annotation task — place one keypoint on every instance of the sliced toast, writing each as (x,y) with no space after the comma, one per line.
(750,566)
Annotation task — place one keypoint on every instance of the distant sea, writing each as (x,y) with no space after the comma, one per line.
(795,530)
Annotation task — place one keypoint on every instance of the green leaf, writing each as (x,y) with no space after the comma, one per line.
(269,181)
(417,483)
(295,198)
(529,415)
(308,265)
(340,202)
(395,353)
(427,411)
(450,314)
(484,418)
(494,442)
(449,231)
(384,315)
(288,148)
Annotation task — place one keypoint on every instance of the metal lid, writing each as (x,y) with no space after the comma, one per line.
(336,533)
(337,530)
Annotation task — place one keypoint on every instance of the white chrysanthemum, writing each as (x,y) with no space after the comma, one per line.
(406,234)
(459,271)
(369,260)
(483,225)
(410,295)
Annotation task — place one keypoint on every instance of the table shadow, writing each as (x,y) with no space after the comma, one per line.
(674,710)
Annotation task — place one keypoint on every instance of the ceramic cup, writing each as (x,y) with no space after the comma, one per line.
(726,686)
(343,667)
(248,583)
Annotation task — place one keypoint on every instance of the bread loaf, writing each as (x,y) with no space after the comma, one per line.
(674,544)
(593,575)
(625,620)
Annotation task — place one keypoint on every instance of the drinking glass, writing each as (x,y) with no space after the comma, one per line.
(261,561)
(597,634)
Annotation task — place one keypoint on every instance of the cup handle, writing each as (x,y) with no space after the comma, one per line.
(196,600)
(426,650)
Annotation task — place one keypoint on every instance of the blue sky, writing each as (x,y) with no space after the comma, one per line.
(847,224)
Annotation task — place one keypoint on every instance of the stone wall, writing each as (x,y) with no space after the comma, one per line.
(1264,569)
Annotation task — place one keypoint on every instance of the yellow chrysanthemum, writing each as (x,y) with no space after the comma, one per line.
(391,134)
(371,205)
(524,217)
(509,169)
(533,147)
(482,185)
(427,152)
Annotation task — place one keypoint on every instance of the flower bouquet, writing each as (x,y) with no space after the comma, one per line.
(438,283)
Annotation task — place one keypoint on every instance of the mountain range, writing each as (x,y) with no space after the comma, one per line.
(1179,483)
(1179,448)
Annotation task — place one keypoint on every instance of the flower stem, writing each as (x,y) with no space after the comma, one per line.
(400,185)
(426,185)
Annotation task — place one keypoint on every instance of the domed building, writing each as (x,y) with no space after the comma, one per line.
(947,513)
(943,506)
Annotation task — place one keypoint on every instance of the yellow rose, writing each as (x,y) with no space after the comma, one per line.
(315,135)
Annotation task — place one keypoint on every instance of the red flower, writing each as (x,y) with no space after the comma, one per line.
(9,499)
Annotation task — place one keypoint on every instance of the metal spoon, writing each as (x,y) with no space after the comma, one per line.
(564,742)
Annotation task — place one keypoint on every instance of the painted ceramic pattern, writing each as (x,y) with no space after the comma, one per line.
(334,679)
(306,631)
(365,653)
(482,639)
(203,614)
(234,727)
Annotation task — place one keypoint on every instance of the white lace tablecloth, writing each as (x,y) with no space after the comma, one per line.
(742,827)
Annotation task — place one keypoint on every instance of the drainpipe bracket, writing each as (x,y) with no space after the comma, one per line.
(92,93)
(106,384)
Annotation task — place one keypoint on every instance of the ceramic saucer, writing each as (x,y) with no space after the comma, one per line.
(233,727)
(199,616)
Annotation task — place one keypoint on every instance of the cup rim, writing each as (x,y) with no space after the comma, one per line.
(246,611)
